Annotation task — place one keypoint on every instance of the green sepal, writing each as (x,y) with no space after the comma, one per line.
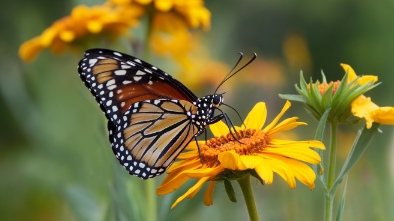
(230,191)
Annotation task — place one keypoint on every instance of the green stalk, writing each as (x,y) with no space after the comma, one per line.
(247,191)
(329,196)
(151,200)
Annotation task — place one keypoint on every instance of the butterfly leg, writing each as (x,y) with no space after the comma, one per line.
(228,121)
(198,147)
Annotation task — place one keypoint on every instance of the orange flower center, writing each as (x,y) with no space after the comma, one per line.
(249,142)
(324,86)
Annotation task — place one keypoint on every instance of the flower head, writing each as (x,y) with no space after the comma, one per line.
(81,25)
(337,97)
(257,151)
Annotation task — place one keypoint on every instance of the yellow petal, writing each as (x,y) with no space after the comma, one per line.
(171,185)
(231,160)
(367,78)
(273,123)
(208,196)
(250,161)
(363,107)
(48,36)
(287,124)
(203,172)
(384,115)
(67,35)
(265,173)
(256,117)
(185,165)
(351,75)
(193,145)
(303,154)
(277,165)
(302,172)
(198,185)
(143,2)
(164,5)
(297,144)
(94,26)
(30,49)
(219,128)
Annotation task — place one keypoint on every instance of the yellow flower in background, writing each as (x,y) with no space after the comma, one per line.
(170,36)
(169,27)
(170,24)
(83,23)
(258,151)
(193,11)
(363,107)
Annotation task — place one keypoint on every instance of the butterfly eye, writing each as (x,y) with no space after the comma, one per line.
(217,100)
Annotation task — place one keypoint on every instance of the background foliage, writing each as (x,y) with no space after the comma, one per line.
(56,163)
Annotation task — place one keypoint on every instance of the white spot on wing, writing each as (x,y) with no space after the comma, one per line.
(140,72)
(111,82)
(92,61)
(125,66)
(120,72)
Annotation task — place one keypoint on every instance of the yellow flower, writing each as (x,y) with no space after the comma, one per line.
(170,24)
(258,151)
(363,107)
(170,36)
(80,25)
(193,11)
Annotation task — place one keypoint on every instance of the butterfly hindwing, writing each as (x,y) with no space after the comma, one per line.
(151,134)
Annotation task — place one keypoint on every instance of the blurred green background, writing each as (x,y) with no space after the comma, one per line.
(56,163)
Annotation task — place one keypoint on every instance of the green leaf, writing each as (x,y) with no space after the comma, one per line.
(230,191)
(293,97)
(342,203)
(319,136)
(83,203)
(359,146)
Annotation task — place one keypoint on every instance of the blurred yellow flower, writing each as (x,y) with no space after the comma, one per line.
(258,152)
(170,23)
(193,11)
(363,107)
(80,25)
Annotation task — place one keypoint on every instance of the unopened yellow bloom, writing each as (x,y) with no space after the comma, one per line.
(363,107)
(258,150)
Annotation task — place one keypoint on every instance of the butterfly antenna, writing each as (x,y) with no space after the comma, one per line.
(229,75)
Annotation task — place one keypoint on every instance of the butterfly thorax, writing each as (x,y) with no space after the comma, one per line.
(205,110)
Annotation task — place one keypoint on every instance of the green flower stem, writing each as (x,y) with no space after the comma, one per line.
(151,200)
(246,188)
(329,196)
(328,207)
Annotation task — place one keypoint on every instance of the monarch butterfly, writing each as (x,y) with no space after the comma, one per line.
(151,116)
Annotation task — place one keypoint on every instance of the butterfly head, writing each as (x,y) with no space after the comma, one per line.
(217,100)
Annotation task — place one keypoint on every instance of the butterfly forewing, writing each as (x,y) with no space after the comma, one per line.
(118,80)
